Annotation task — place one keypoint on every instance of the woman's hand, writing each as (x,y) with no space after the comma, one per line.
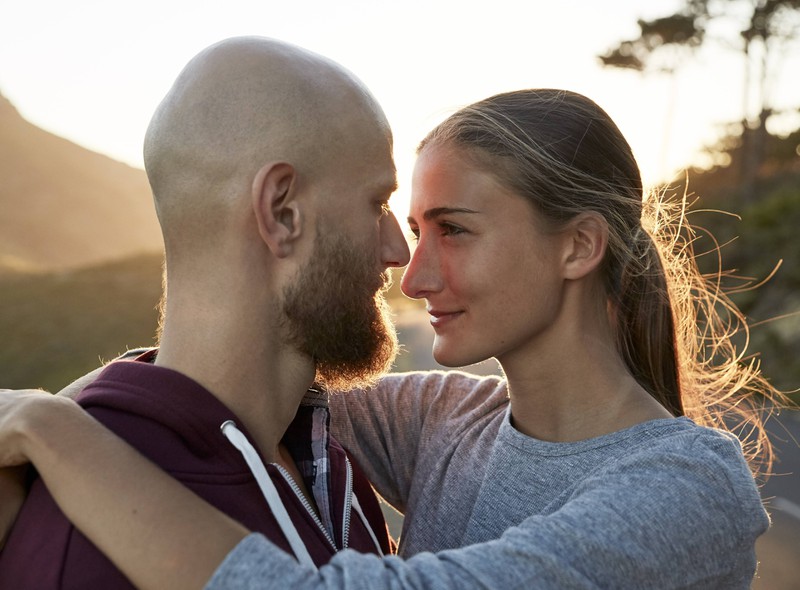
(18,411)
(104,486)
(22,411)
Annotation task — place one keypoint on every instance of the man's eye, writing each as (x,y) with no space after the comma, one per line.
(414,234)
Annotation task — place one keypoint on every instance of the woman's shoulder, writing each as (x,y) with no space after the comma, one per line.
(682,442)
(694,464)
(682,436)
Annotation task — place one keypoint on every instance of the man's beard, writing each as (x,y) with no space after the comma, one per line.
(336,313)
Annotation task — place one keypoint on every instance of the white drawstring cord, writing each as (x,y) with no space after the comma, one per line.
(357,508)
(238,440)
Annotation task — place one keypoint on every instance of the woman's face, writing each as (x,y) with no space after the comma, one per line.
(489,273)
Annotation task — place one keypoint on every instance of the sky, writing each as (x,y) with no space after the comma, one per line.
(94,70)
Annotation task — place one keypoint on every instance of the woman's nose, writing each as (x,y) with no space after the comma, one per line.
(422,276)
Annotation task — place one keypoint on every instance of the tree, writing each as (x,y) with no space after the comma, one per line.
(765,30)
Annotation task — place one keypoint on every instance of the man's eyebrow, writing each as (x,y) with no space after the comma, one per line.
(390,188)
(439,211)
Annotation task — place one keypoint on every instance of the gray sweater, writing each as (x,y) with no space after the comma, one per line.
(663,504)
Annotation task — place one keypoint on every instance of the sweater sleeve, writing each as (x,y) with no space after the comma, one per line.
(673,520)
(384,427)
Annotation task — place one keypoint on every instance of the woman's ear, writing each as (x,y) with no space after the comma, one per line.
(587,240)
(276,209)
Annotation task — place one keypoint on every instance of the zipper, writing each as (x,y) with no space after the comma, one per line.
(306,504)
(269,491)
(348,493)
(251,457)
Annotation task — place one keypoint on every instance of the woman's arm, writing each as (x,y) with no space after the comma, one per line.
(172,538)
(674,518)
(682,518)
(384,426)
(13,490)
(73,389)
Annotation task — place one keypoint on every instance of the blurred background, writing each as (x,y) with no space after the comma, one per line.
(707,93)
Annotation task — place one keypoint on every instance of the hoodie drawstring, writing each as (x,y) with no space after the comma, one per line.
(238,440)
(357,508)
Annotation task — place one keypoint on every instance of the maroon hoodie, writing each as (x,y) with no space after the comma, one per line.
(175,422)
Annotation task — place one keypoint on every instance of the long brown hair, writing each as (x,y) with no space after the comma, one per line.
(674,327)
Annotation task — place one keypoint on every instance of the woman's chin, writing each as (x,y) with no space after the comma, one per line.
(452,358)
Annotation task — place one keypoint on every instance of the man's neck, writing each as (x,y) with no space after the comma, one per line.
(244,366)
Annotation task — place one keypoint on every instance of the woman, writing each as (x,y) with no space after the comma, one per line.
(592,463)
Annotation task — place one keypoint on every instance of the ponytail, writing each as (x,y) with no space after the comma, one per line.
(643,322)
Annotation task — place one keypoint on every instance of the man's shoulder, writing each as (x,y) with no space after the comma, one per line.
(154,393)
(166,416)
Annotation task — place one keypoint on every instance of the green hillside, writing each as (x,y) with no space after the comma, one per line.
(59,326)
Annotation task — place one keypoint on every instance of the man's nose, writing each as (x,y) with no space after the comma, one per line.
(394,248)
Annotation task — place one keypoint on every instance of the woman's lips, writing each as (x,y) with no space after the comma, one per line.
(441,318)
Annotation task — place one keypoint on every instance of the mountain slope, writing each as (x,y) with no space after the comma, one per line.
(63,206)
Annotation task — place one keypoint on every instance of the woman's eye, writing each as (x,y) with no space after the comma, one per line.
(448,229)
(445,230)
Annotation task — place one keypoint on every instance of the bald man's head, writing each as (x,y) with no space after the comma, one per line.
(271,168)
(237,105)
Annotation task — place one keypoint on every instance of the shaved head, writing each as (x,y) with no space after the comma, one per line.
(263,157)
(236,105)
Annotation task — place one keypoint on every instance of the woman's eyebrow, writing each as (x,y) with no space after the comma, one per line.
(438,211)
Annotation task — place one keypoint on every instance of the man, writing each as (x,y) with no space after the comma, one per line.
(271,168)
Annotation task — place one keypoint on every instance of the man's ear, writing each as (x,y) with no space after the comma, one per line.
(276,209)
(586,242)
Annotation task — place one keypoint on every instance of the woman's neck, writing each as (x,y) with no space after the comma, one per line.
(575,388)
